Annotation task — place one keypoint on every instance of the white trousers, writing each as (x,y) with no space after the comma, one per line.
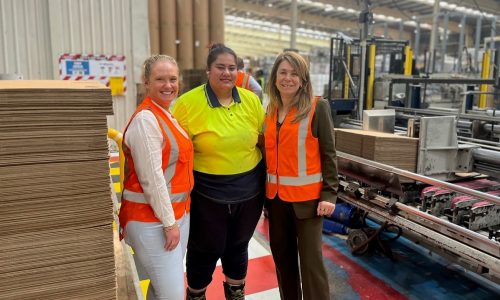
(164,268)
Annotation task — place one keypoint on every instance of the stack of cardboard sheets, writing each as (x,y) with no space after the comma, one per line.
(55,199)
(397,151)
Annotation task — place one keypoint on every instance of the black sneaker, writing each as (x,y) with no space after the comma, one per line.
(234,292)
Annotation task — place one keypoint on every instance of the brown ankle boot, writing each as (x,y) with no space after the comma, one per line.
(234,292)
(195,296)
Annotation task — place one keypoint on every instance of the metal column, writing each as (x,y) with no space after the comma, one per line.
(417,43)
(461,44)
(293,26)
(365,20)
(445,41)
(477,42)
(493,34)
(384,56)
(435,20)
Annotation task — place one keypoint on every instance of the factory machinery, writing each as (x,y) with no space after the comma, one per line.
(451,203)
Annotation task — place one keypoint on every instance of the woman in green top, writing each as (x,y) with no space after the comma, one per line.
(224,123)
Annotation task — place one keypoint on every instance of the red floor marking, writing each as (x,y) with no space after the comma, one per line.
(263,227)
(261,277)
(362,281)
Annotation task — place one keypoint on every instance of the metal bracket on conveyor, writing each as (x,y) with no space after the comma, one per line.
(370,174)
(352,187)
(369,193)
(472,250)
(391,205)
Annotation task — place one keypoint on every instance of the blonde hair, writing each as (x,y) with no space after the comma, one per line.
(150,61)
(303,99)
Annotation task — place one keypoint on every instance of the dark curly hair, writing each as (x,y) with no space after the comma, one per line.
(215,50)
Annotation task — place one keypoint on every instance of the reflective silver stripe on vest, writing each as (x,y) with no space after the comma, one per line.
(302,178)
(168,174)
(246,79)
(174,154)
(301,151)
(271,178)
(134,197)
(139,197)
(296,181)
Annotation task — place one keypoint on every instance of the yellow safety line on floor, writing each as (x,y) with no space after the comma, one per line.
(117,187)
(114,171)
(144,286)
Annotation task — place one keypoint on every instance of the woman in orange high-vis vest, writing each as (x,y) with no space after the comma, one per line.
(247,81)
(302,181)
(154,212)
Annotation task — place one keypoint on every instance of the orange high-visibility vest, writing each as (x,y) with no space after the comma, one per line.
(177,166)
(292,158)
(243,80)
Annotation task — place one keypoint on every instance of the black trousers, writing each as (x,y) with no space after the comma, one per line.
(220,231)
(292,237)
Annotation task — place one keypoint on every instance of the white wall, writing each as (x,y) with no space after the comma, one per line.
(34,33)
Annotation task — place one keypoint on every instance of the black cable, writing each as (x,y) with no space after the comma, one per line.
(386,227)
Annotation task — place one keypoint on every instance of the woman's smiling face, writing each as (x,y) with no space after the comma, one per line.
(288,80)
(163,83)
(222,73)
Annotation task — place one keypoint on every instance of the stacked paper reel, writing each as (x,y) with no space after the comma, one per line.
(56,238)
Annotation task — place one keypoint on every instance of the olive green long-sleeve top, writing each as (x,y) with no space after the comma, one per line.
(322,128)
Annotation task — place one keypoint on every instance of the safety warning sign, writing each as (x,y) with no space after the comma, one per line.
(110,70)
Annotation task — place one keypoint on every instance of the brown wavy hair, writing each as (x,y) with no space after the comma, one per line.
(303,99)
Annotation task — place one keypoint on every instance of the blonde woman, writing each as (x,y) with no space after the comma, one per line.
(154,214)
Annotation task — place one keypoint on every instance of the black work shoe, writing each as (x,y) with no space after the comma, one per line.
(195,296)
(234,292)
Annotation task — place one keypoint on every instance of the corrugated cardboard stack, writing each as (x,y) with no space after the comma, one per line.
(55,202)
(348,142)
(398,151)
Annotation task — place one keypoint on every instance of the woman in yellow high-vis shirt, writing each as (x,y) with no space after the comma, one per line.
(224,123)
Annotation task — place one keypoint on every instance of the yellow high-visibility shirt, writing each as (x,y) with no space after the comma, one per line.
(224,138)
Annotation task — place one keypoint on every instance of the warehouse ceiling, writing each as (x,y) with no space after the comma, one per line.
(320,19)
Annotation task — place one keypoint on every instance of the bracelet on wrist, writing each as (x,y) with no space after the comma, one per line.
(169,228)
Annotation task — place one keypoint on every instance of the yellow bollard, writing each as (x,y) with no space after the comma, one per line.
(485,74)
(117,136)
(408,66)
(371,77)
